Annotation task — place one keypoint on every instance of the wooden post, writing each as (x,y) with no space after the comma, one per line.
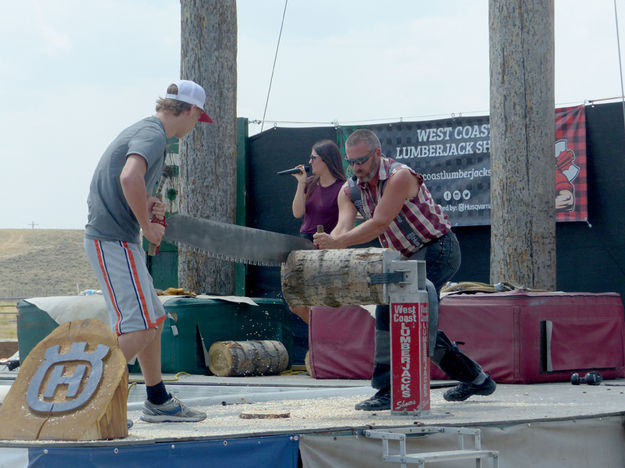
(208,172)
(522,132)
(332,277)
(72,386)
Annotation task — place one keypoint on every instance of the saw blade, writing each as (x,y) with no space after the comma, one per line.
(232,242)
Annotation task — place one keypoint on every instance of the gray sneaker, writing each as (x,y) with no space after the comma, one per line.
(173,410)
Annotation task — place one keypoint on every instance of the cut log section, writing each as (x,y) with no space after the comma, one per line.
(264,415)
(333,277)
(245,358)
(72,386)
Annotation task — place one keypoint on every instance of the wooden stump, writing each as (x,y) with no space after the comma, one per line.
(241,358)
(333,277)
(72,386)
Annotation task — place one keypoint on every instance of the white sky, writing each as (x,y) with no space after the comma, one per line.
(74,73)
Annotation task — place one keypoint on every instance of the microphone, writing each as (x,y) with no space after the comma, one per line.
(295,170)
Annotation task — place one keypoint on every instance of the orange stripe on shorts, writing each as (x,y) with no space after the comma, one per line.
(135,276)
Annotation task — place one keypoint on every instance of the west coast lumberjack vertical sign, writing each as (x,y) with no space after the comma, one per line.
(409,360)
(409,317)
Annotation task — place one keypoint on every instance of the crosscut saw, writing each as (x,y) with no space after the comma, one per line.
(232,242)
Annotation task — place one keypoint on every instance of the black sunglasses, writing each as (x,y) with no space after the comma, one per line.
(361,160)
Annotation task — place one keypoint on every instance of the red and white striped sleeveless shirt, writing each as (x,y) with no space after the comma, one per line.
(425,219)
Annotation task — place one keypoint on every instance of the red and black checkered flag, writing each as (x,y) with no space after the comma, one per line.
(570,160)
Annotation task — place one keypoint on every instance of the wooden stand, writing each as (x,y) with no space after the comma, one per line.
(373,276)
(72,386)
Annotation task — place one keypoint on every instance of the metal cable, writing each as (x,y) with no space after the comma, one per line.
(286,2)
(620,65)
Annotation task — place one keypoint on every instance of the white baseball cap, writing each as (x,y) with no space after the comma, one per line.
(191,93)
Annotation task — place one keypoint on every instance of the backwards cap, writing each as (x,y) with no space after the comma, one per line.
(191,93)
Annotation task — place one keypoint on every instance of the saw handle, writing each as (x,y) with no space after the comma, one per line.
(319,229)
(153,248)
(167,172)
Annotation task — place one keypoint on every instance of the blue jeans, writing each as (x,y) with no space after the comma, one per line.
(442,262)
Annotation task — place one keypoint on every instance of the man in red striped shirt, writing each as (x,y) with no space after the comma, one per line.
(399,210)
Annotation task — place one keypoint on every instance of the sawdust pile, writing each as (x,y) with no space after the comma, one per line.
(312,414)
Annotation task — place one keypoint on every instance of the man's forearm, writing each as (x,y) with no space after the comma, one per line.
(361,234)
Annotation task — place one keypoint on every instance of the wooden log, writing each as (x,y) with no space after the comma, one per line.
(72,386)
(245,358)
(333,277)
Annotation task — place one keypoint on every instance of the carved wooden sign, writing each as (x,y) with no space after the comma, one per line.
(72,386)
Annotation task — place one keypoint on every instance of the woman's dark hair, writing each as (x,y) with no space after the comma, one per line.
(329,152)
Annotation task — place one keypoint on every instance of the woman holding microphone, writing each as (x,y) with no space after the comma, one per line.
(315,197)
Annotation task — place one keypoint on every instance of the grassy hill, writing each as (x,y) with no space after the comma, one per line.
(43,262)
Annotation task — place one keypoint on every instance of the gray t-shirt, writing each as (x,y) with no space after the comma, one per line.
(110,216)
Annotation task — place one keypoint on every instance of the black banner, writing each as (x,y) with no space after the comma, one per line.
(453,155)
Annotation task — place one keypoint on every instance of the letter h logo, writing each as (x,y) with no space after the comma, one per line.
(56,361)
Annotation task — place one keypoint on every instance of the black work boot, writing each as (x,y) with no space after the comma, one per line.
(378,402)
(464,390)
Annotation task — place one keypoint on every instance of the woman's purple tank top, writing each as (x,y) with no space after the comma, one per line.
(322,208)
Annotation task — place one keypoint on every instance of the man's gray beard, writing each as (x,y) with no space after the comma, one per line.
(370,175)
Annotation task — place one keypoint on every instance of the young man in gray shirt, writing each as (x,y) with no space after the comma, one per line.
(120,205)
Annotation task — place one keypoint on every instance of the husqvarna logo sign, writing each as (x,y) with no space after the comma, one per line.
(81,384)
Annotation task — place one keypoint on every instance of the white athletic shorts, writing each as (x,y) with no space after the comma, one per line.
(131,300)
